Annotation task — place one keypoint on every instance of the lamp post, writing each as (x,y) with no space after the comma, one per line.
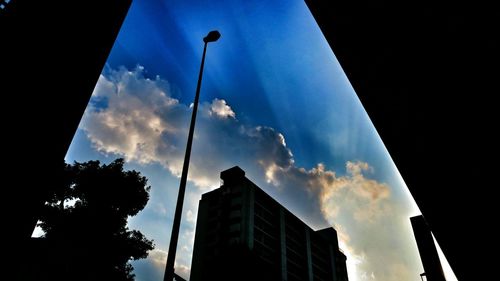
(212,36)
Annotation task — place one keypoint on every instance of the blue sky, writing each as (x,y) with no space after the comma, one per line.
(274,100)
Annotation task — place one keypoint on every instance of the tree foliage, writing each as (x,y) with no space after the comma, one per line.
(85,222)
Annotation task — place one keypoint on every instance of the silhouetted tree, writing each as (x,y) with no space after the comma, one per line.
(85,222)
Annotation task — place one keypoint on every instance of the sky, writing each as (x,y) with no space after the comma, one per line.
(274,101)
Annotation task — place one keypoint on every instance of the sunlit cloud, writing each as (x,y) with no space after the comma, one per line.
(182,270)
(143,123)
(158,257)
(190,216)
(364,197)
(137,118)
(362,211)
(221,109)
(130,124)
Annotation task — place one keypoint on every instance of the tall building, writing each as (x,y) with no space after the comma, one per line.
(60,47)
(51,53)
(427,250)
(413,66)
(244,234)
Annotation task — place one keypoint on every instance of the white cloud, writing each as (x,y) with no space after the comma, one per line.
(190,217)
(352,193)
(361,209)
(158,257)
(137,118)
(132,124)
(182,270)
(221,109)
(160,209)
(143,123)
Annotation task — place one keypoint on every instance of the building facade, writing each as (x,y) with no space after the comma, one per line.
(427,250)
(244,234)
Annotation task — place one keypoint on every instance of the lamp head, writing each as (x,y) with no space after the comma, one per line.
(212,36)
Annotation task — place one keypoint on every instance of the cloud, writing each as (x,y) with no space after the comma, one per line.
(136,117)
(153,267)
(221,109)
(143,123)
(182,270)
(158,257)
(367,219)
(190,216)
(364,197)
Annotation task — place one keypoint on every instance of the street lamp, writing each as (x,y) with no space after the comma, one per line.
(212,36)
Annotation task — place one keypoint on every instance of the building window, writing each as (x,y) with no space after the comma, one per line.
(235,214)
(234,227)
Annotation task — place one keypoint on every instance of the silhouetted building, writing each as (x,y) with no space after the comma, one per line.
(244,234)
(427,250)
(52,53)
(424,71)
(60,47)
